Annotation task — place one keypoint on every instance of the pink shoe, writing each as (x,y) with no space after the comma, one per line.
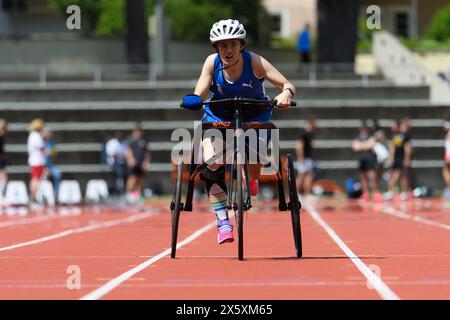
(377,197)
(365,196)
(225,231)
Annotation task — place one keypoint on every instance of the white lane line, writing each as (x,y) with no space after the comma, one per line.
(114,283)
(376,283)
(406,216)
(37,219)
(88,228)
(17,222)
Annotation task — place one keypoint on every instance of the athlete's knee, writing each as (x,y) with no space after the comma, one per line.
(214,177)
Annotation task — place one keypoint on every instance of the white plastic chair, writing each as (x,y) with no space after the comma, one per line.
(96,191)
(45,193)
(16,193)
(69,192)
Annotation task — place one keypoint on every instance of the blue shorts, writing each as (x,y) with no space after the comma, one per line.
(224,113)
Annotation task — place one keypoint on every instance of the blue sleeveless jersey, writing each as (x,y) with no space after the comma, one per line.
(247,86)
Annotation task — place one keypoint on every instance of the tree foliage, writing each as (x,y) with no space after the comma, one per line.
(111,21)
(439,28)
(189,19)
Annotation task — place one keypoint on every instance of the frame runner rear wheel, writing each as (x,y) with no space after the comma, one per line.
(176,207)
(294,206)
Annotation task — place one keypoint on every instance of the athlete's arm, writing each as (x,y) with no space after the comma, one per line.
(408,152)
(130,158)
(370,144)
(147,159)
(356,146)
(391,153)
(299,148)
(205,79)
(263,68)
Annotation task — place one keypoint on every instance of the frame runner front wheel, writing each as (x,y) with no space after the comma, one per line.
(240,211)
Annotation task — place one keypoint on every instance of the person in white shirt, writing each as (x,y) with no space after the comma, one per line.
(115,152)
(36,154)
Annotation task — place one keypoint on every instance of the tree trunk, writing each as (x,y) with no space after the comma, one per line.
(136,38)
(337,30)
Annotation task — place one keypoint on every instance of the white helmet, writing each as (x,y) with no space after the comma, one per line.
(225,30)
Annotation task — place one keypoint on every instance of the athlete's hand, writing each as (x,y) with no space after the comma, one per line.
(284,99)
(192,102)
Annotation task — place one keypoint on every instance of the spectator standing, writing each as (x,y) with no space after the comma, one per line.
(400,152)
(36,154)
(446,170)
(380,148)
(50,154)
(304,46)
(138,160)
(364,147)
(3,175)
(305,161)
(115,151)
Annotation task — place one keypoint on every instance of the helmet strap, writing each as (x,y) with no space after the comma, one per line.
(227,67)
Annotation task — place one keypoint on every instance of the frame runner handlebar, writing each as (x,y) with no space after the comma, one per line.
(271,103)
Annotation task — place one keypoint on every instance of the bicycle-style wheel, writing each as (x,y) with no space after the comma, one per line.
(240,211)
(175,207)
(294,206)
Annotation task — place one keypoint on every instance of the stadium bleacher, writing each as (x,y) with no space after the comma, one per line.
(81,113)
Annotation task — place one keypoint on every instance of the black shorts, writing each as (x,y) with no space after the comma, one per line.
(305,57)
(398,165)
(262,139)
(367,162)
(2,164)
(137,171)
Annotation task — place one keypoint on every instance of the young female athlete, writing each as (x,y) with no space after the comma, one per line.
(232,72)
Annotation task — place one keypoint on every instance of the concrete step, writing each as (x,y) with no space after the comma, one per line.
(289,130)
(176,90)
(170,110)
(191,75)
(96,131)
(85,153)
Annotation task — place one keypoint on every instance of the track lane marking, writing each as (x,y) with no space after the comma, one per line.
(376,283)
(54,213)
(406,216)
(114,283)
(18,222)
(65,233)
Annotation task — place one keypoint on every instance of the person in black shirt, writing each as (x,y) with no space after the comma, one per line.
(305,162)
(3,175)
(364,147)
(138,159)
(400,152)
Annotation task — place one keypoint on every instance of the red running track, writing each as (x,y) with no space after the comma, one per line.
(352,250)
